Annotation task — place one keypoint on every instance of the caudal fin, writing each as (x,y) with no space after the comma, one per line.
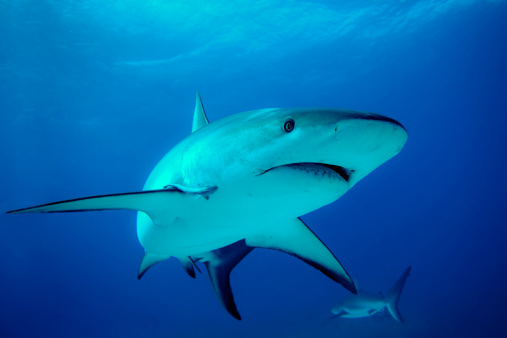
(393,297)
(220,263)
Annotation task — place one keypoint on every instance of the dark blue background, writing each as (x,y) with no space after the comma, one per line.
(93,94)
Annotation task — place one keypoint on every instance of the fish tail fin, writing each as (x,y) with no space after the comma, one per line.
(219,264)
(393,296)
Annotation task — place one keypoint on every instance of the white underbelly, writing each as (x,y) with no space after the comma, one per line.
(237,210)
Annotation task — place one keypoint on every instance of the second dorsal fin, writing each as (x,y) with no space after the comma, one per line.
(200,119)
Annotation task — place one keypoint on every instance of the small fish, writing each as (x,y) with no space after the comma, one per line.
(365,304)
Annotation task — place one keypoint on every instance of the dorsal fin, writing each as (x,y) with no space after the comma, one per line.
(200,119)
(356,283)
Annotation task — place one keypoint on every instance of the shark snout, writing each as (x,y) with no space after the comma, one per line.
(365,141)
(381,118)
(370,133)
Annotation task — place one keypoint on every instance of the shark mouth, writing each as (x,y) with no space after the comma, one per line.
(341,171)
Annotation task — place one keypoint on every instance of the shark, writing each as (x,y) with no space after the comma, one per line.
(365,304)
(242,182)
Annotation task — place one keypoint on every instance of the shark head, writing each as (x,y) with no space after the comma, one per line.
(350,143)
(333,148)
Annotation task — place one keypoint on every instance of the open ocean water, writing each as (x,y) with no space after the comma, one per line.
(93,93)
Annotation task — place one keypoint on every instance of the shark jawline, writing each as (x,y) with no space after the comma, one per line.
(343,172)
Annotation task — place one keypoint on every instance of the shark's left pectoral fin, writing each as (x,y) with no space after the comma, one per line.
(156,203)
(339,313)
(295,238)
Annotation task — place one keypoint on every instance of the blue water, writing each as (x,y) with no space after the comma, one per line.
(94,93)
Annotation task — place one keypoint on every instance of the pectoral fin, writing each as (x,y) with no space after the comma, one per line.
(338,314)
(158,204)
(295,238)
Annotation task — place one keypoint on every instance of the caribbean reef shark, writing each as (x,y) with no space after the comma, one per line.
(243,181)
(365,304)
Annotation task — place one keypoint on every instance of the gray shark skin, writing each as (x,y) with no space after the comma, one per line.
(365,304)
(242,182)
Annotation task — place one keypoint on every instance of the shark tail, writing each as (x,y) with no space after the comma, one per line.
(219,264)
(393,296)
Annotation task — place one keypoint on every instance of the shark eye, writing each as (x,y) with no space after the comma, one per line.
(289,125)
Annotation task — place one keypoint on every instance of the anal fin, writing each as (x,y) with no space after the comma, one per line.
(189,264)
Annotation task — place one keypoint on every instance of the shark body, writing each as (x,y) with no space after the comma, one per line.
(243,181)
(365,304)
